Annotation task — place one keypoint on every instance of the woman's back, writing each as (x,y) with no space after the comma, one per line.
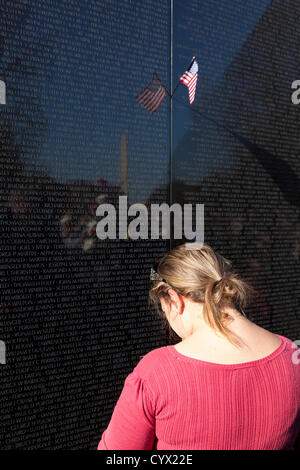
(188,403)
(250,405)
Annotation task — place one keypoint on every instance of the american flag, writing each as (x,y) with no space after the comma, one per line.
(153,95)
(189,78)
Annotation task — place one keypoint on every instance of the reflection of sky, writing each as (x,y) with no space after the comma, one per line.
(99,56)
(96,100)
(212,31)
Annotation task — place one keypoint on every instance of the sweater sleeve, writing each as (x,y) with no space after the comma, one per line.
(133,420)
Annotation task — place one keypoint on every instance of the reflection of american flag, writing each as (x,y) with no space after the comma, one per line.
(153,95)
(189,78)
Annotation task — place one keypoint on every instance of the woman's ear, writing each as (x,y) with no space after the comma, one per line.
(164,306)
(177,301)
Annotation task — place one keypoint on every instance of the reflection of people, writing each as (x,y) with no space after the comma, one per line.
(80,234)
(72,234)
(18,204)
(218,387)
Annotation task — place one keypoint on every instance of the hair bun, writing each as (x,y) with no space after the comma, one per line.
(225,283)
(229,288)
(217,283)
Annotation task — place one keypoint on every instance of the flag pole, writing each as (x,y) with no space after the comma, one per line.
(193,58)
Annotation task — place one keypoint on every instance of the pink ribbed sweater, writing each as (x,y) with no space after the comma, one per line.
(171,401)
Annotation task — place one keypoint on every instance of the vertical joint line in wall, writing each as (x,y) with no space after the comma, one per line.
(171,113)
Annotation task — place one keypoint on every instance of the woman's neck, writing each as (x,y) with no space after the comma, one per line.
(204,334)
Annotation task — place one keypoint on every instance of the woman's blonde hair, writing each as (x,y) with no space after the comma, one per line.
(203,276)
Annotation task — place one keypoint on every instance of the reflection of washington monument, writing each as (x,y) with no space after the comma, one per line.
(124,165)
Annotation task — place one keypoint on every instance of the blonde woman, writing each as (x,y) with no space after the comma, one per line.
(229,384)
